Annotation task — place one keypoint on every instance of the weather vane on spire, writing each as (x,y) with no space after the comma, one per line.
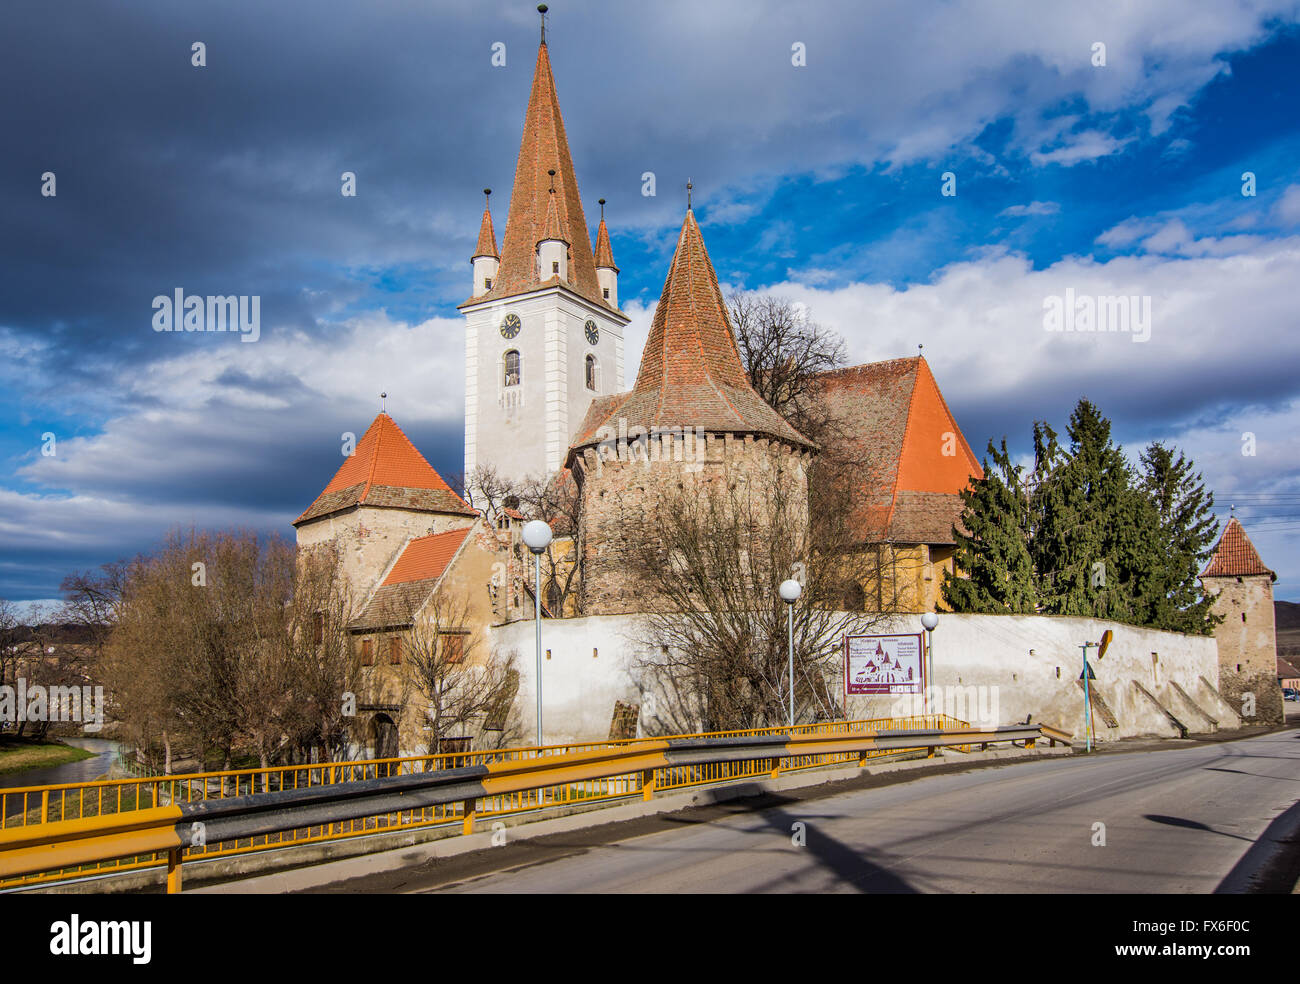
(541,9)
(602,209)
(689,186)
(383,402)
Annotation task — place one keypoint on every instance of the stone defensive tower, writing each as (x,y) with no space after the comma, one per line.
(692,422)
(1243,593)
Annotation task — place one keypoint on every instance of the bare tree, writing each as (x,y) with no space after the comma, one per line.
(708,560)
(225,643)
(461,692)
(783,349)
(556,501)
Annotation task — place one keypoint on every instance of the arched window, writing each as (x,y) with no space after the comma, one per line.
(591,372)
(554,600)
(511,366)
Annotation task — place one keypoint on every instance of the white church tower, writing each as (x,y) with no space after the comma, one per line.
(544,334)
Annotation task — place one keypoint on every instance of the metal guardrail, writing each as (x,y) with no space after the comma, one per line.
(172,829)
(22,806)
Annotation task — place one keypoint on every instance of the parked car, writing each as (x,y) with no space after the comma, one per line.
(1289,694)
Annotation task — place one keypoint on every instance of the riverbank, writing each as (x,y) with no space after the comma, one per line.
(21,754)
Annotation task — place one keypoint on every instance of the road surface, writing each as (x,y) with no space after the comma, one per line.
(1180,820)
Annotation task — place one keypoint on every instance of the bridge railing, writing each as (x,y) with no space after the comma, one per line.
(70,830)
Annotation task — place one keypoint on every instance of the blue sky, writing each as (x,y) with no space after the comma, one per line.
(818,182)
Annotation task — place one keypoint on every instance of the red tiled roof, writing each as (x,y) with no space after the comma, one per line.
(544,147)
(691,374)
(893,415)
(604,252)
(1286,670)
(487,237)
(554,228)
(411,581)
(385,469)
(426,557)
(1235,556)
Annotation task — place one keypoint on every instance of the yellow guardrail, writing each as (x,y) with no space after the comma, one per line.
(56,832)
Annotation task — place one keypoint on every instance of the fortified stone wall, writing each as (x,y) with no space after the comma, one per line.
(1150,682)
(624,492)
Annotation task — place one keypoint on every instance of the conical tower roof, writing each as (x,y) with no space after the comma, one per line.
(385,469)
(543,148)
(691,373)
(487,237)
(604,252)
(553,228)
(1235,556)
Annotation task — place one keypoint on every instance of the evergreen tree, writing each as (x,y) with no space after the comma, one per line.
(1088,546)
(993,551)
(1185,528)
(1084,533)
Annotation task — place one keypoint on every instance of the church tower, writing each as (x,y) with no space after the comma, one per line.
(543,332)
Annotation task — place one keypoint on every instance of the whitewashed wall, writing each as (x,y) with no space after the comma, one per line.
(1011,662)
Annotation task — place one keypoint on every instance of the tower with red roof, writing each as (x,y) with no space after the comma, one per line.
(543,330)
(1242,587)
(383,494)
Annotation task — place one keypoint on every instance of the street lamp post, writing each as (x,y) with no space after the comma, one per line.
(537,537)
(790,591)
(929,622)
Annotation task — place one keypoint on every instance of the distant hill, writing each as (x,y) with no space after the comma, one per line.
(1287,616)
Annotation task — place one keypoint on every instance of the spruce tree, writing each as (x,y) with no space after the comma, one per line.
(1088,545)
(996,571)
(1185,530)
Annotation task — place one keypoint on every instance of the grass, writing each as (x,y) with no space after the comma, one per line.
(18,754)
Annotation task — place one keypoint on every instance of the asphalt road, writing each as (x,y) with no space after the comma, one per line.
(1181,820)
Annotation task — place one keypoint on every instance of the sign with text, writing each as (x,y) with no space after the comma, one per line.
(883,664)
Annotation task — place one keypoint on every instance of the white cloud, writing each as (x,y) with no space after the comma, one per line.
(1287,209)
(1033,208)
(1081,147)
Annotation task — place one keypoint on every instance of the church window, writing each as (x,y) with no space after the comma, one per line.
(512,367)
(606,290)
(555,266)
(591,372)
(487,283)
(554,599)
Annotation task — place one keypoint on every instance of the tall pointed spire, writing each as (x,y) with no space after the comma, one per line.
(553,229)
(604,252)
(691,371)
(544,148)
(487,237)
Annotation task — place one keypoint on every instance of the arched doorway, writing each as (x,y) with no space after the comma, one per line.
(383,740)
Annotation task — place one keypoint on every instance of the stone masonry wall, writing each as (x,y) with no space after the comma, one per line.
(1247,645)
(369,537)
(622,496)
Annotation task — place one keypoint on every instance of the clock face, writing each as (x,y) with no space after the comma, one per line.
(593,333)
(510,326)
